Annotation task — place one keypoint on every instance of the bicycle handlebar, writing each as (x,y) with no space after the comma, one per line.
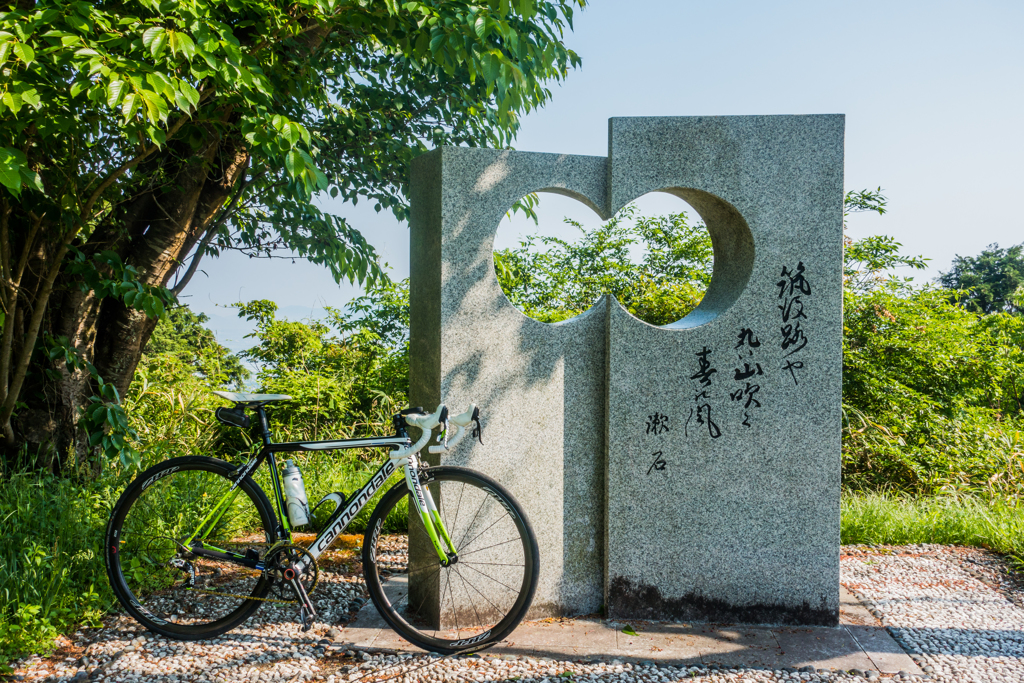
(461,422)
(426,423)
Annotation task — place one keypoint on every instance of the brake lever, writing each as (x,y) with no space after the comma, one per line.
(478,429)
(443,436)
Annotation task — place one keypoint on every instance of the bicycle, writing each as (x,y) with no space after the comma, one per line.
(194,545)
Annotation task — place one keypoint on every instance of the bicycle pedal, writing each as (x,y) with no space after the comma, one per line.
(306,619)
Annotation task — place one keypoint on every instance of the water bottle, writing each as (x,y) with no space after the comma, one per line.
(295,494)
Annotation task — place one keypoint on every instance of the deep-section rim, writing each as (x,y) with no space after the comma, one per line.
(531,565)
(116,577)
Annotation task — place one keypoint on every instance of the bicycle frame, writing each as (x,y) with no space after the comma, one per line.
(344,513)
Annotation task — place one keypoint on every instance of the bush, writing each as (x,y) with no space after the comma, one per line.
(929,393)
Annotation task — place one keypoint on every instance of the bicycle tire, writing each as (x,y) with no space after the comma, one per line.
(508,595)
(173,496)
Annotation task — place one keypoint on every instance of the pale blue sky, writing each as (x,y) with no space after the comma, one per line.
(933,94)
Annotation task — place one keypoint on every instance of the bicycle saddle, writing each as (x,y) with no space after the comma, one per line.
(243,397)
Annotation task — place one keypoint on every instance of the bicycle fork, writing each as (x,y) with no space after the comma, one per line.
(425,506)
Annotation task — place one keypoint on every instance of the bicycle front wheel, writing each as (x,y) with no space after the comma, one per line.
(483,592)
(168,589)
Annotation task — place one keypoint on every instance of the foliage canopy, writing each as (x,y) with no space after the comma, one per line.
(990,282)
(552,279)
(137,137)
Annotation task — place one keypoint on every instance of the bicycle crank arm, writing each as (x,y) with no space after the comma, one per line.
(307,612)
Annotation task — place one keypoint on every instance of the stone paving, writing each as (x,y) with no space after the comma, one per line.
(956,612)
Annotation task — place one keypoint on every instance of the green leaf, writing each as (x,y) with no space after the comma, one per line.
(25,53)
(12,100)
(157,135)
(189,93)
(293,163)
(129,106)
(629,630)
(150,36)
(31,98)
(158,45)
(291,133)
(11,179)
(156,107)
(482,27)
(114,92)
(33,180)
(181,44)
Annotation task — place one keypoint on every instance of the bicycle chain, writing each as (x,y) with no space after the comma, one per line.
(273,548)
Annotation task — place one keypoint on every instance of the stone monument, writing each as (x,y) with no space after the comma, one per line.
(685,472)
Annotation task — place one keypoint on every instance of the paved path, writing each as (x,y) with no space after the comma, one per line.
(956,612)
(860,643)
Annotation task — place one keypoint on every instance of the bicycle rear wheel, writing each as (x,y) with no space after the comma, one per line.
(163,586)
(478,599)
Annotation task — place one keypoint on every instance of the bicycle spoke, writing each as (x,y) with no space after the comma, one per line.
(470,527)
(487,529)
(496,608)
(480,550)
(495,580)
(426,594)
(479,621)
(455,611)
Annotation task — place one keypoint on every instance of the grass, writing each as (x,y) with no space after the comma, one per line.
(52,575)
(885,518)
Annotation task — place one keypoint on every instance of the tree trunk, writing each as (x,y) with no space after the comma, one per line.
(157,231)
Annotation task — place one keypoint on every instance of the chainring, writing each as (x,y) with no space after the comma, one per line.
(282,557)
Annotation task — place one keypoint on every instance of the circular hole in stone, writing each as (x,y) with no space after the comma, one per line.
(655,256)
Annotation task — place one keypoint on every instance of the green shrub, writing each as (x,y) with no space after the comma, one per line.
(930,394)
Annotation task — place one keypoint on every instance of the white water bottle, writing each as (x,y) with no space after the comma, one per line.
(295,494)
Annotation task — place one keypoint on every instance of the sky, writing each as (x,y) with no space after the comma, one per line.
(932,92)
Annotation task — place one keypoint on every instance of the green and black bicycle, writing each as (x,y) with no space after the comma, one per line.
(194,545)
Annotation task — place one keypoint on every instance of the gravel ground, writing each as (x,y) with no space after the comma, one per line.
(956,611)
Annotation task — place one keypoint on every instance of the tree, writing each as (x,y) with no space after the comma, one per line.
(183,335)
(138,137)
(345,372)
(868,262)
(567,278)
(989,282)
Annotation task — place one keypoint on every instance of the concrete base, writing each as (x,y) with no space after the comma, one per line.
(860,642)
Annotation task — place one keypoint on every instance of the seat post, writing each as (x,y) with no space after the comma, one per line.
(264,427)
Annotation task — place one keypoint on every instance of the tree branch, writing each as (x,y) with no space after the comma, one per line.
(5,252)
(31,334)
(10,320)
(208,237)
(118,172)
